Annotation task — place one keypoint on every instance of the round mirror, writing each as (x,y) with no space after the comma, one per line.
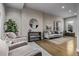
(33,23)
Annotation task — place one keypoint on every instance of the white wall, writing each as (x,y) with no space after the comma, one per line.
(27,15)
(2,17)
(77,27)
(14,14)
(49,20)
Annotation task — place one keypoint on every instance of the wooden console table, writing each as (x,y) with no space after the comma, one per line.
(34,36)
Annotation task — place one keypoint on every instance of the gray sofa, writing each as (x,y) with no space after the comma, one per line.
(48,35)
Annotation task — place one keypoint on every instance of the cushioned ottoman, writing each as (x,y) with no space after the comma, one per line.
(24,50)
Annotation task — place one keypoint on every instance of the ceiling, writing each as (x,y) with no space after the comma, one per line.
(58,9)
(15,5)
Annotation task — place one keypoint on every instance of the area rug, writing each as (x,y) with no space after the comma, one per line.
(60,40)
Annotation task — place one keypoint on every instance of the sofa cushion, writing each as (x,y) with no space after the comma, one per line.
(11,35)
(16,40)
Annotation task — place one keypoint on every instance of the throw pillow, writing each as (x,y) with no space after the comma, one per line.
(11,35)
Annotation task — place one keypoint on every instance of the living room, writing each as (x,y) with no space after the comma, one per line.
(51,21)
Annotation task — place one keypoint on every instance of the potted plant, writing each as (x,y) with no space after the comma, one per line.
(11,26)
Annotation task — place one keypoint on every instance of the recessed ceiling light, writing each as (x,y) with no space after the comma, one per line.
(75,13)
(63,7)
(70,11)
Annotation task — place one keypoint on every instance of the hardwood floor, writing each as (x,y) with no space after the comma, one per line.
(67,48)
